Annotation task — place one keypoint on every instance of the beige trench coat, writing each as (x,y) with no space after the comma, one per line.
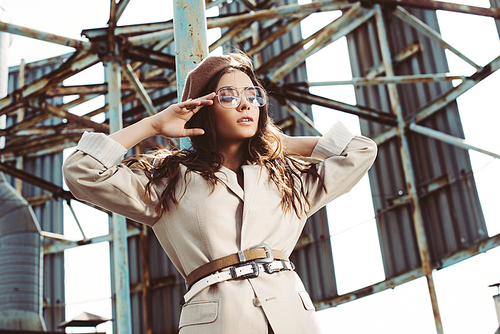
(209,225)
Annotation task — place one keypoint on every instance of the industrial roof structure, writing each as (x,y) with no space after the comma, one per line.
(428,213)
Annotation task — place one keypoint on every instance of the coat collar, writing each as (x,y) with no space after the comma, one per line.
(231,181)
(251,175)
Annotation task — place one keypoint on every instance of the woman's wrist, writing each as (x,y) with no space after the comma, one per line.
(301,146)
(133,134)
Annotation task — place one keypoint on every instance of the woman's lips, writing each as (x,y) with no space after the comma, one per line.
(245,119)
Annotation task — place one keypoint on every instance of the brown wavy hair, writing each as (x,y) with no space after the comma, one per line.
(203,157)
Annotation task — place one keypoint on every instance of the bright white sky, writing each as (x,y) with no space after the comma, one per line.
(464,297)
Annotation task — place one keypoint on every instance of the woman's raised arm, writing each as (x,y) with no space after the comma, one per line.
(301,146)
(168,123)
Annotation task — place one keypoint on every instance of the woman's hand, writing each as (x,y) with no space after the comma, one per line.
(168,123)
(171,121)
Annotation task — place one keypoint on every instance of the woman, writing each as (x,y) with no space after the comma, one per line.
(229,211)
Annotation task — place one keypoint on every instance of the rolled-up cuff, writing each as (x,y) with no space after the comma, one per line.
(102,148)
(333,142)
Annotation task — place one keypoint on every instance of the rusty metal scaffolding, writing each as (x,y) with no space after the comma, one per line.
(138,67)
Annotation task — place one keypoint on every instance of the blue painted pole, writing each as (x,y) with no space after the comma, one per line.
(121,282)
(190,36)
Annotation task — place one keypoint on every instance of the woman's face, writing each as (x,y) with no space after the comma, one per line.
(239,123)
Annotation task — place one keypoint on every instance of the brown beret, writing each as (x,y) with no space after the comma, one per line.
(205,71)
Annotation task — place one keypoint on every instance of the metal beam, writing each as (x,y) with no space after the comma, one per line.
(139,89)
(121,8)
(440,5)
(443,100)
(361,111)
(411,182)
(278,12)
(152,37)
(300,116)
(458,142)
(424,29)
(407,52)
(451,95)
(392,282)
(64,114)
(349,21)
(59,244)
(123,320)
(45,36)
(399,79)
(74,65)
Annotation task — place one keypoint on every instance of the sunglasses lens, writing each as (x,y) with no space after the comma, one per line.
(256,96)
(229,97)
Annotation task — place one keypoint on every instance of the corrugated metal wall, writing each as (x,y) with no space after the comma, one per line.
(50,213)
(452,213)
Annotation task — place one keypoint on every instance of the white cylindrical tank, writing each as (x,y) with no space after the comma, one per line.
(21,263)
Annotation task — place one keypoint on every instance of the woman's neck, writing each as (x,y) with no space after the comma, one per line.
(233,156)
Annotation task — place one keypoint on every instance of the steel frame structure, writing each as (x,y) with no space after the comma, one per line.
(124,50)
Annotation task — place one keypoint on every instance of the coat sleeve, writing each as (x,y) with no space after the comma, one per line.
(345,159)
(92,176)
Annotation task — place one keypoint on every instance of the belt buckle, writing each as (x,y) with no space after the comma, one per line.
(255,270)
(269,253)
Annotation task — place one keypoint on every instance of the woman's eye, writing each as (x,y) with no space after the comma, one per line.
(227,98)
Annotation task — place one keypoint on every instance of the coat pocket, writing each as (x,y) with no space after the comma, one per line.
(198,313)
(306,300)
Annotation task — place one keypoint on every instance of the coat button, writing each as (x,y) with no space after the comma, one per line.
(257,302)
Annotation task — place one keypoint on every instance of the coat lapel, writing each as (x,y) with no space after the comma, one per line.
(251,178)
(231,181)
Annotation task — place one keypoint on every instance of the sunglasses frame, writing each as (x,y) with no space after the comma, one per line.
(257,88)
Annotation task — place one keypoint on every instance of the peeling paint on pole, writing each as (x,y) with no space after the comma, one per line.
(190,35)
(121,282)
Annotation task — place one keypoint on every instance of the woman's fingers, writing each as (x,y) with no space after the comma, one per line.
(199,103)
(194,132)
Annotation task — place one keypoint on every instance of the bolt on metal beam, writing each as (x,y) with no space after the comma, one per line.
(411,182)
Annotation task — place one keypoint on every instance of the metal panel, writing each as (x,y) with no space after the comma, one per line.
(451,211)
(49,212)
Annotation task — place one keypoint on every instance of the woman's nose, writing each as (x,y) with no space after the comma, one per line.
(244,104)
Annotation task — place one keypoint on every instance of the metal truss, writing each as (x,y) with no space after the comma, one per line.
(126,50)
